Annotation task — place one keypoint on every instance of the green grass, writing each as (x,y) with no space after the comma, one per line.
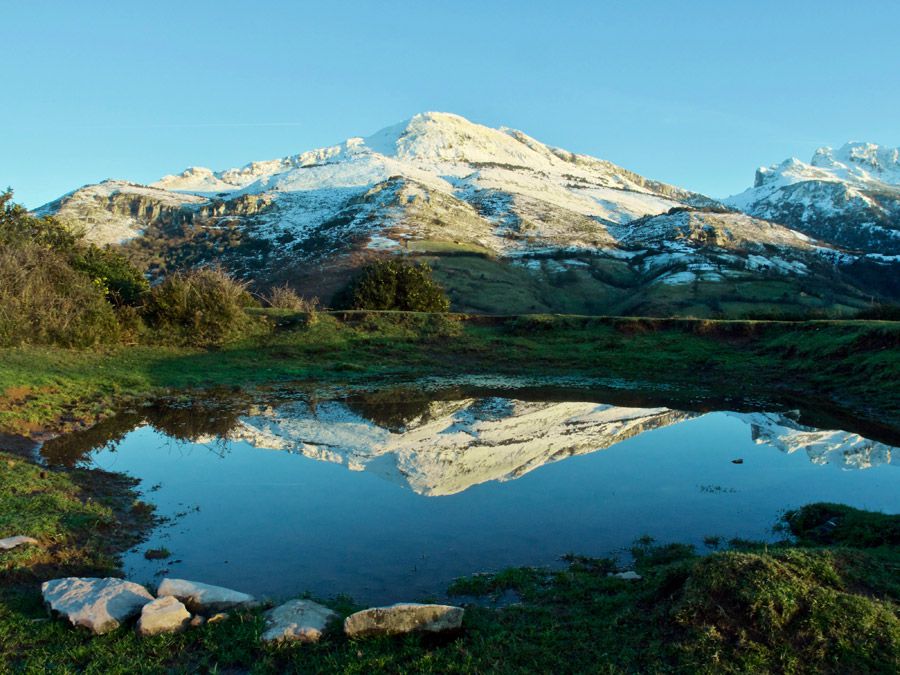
(480,283)
(850,366)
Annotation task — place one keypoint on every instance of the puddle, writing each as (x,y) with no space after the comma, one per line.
(390,494)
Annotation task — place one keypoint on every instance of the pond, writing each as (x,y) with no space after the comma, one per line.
(389,495)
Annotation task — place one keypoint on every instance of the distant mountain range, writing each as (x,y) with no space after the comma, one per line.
(513,225)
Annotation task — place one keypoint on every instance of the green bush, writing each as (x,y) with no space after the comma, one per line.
(203,307)
(19,228)
(397,285)
(53,287)
(123,282)
(43,300)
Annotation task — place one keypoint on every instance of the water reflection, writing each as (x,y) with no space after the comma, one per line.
(450,483)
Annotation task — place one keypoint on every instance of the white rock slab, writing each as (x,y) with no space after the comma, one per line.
(630,575)
(297,621)
(10,543)
(101,605)
(200,597)
(404,618)
(163,615)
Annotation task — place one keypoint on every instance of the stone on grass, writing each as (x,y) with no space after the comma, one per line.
(404,618)
(100,605)
(10,543)
(630,575)
(297,621)
(163,615)
(197,621)
(204,598)
(216,618)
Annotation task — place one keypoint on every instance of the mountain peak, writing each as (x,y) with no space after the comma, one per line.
(447,137)
(860,160)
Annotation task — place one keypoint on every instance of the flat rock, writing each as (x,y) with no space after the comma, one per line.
(297,621)
(404,618)
(630,575)
(101,605)
(200,597)
(10,543)
(164,615)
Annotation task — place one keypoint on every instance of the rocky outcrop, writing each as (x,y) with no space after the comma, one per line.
(10,543)
(404,618)
(100,605)
(297,621)
(163,615)
(205,598)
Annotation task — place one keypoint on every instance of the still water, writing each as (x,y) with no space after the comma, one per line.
(390,496)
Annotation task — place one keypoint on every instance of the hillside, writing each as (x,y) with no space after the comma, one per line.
(849,196)
(506,221)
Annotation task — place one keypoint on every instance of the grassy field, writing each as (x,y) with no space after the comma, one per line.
(827,603)
(851,367)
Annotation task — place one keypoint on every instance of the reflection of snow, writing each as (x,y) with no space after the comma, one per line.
(840,448)
(455,444)
(450,446)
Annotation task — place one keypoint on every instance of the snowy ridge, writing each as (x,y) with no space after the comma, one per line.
(440,184)
(94,209)
(849,196)
(440,152)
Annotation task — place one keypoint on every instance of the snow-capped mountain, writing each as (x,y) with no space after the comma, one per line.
(440,185)
(451,446)
(850,196)
(484,183)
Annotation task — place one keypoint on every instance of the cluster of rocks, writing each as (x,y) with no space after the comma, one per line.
(102,605)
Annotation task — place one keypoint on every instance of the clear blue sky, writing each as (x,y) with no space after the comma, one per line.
(695,93)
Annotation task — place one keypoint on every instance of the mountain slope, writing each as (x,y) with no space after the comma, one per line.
(850,196)
(509,223)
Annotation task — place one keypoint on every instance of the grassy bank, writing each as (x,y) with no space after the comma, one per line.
(851,366)
(827,603)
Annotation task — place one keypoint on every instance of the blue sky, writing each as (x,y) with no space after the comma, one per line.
(694,93)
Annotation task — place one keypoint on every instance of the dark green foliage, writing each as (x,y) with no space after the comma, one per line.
(823,523)
(53,287)
(18,228)
(397,285)
(123,282)
(880,313)
(204,307)
(43,300)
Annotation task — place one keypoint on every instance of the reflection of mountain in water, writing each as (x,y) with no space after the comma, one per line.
(841,448)
(452,445)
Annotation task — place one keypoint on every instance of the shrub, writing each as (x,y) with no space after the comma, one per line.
(44,301)
(18,228)
(122,282)
(397,285)
(285,297)
(204,307)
